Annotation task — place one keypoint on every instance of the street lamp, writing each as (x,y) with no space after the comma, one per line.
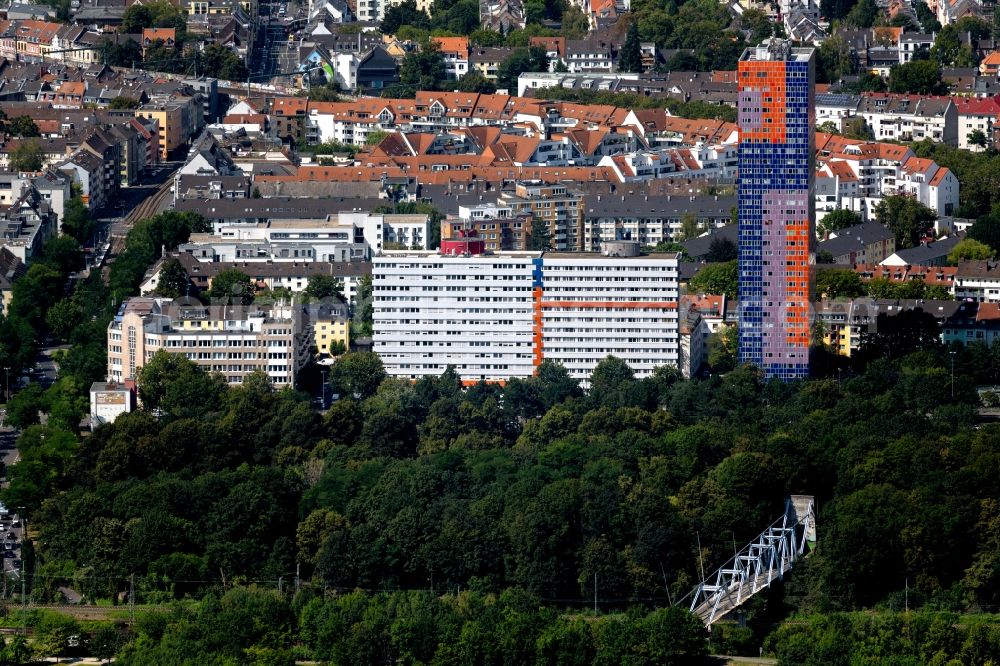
(6,384)
(952,353)
(324,388)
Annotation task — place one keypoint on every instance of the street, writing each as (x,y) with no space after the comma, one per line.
(279,56)
(10,529)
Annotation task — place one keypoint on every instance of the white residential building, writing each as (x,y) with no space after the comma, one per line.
(494,317)
(857,176)
(595,305)
(475,314)
(910,118)
(977,114)
(836,108)
(340,237)
(978,281)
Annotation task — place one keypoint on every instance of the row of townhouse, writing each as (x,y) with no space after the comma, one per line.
(949,120)
(353,122)
(978,281)
(880,48)
(579,222)
(34,41)
(267,275)
(845,323)
(716,87)
(857,175)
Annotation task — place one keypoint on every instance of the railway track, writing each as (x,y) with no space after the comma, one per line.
(150,206)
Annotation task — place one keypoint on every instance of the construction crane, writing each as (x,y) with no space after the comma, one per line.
(762,562)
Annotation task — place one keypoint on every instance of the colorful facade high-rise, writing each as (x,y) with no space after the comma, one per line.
(776,207)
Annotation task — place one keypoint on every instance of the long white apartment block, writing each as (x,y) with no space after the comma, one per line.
(473,313)
(497,316)
(594,305)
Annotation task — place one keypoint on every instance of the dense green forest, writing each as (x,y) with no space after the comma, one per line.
(445,503)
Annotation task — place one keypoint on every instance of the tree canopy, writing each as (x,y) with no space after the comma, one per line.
(906,217)
(27,156)
(837,220)
(719,279)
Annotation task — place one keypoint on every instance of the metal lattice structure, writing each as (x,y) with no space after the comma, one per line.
(762,562)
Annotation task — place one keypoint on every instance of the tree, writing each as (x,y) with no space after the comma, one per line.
(863,14)
(834,60)
(928,21)
(949,50)
(474,81)
(906,217)
(969,249)
(405,13)
(65,253)
(121,52)
(538,237)
(630,57)
(173,281)
(719,279)
(28,156)
(690,227)
(857,128)
(23,127)
(867,82)
(321,287)
(459,17)
(532,59)
(723,348)
(106,642)
(154,14)
(977,138)
(424,69)
(232,286)
(575,24)
(123,102)
(838,283)
(486,38)
(217,61)
(63,318)
(987,230)
(178,387)
(898,335)
(837,220)
(24,407)
(363,312)
(835,9)
(760,25)
(357,374)
(721,250)
(160,57)
(76,221)
(920,77)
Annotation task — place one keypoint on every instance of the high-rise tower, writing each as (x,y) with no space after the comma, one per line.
(776,208)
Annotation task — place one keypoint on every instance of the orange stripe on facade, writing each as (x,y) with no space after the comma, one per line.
(466,383)
(538,351)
